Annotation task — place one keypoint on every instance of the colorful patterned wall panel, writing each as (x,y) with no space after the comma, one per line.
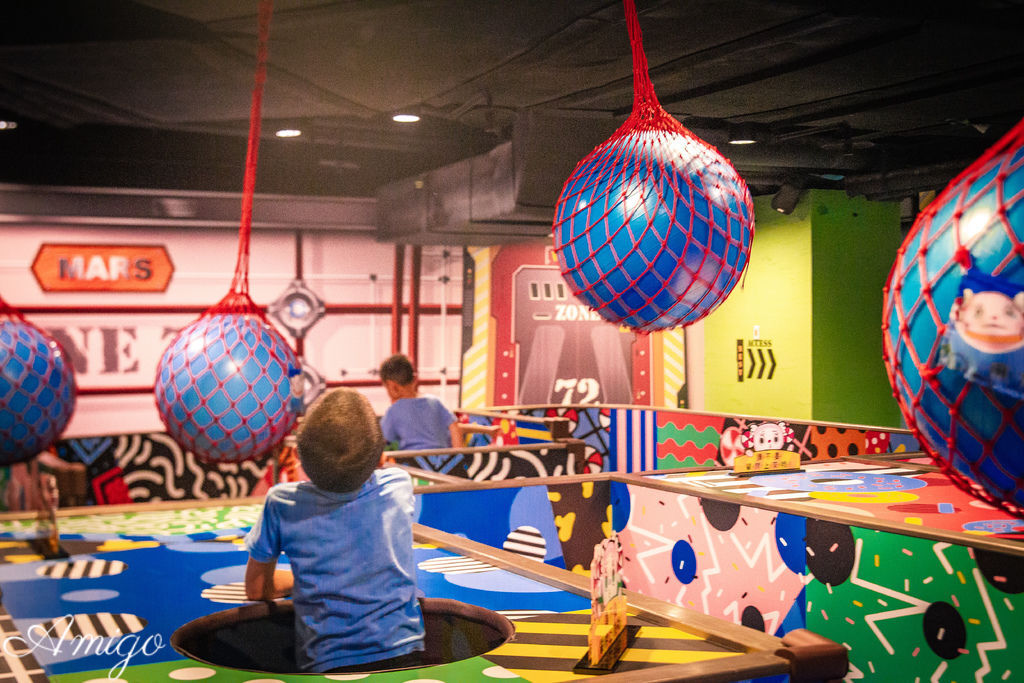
(906,607)
(499,465)
(690,440)
(583,517)
(136,468)
(643,439)
(722,559)
(915,608)
(588,424)
(512,429)
(559,524)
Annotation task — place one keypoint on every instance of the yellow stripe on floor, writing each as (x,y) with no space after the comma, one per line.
(672,656)
(540,676)
(584,629)
(117,544)
(552,627)
(666,632)
(574,652)
(17,559)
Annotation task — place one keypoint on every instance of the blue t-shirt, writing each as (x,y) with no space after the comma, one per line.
(418,423)
(351,553)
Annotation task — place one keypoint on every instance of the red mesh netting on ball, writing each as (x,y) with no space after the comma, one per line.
(654,227)
(222,386)
(953,326)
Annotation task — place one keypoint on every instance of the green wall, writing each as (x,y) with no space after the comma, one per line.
(853,248)
(775,294)
(814,289)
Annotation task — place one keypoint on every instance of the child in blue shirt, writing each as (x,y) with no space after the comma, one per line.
(348,536)
(416,421)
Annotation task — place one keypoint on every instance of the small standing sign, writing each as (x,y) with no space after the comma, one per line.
(610,636)
(765,451)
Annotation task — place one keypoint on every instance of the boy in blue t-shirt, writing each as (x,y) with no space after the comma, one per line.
(418,422)
(348,536)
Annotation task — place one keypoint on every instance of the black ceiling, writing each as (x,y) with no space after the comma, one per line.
(879,98)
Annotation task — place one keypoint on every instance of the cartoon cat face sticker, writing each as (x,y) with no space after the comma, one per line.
(767,436)
(990,321)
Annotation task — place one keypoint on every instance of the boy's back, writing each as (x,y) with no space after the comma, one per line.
(348,536)
(418,423)
(351,554)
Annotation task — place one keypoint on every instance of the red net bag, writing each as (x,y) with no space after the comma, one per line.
(653,228)
(37,388)
(953,326)
(222,385)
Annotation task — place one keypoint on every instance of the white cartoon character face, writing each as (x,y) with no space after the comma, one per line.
(990,321)
(767,436)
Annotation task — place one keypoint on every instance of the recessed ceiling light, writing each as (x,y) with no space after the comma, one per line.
(8,125)
(405,118)
(288,133)
(743,134)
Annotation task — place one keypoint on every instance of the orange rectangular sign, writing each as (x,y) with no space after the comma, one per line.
(102,268)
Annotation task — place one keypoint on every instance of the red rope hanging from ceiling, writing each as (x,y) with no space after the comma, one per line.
(237,300)
(647,113)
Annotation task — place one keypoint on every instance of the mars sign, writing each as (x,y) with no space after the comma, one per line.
(102,267)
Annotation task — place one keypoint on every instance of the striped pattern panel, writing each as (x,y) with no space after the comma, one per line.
(723,481)
(673,365)
(99,625)
(455,565)
(475,360)
(532,432)
(17,663)
(527,542)
(232,593)
(82,569)
(556,642)
(634,439)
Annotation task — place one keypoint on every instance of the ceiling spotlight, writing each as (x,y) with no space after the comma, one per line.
(405,118)
(742,134)
(288,133)
(785,200)
(8,125)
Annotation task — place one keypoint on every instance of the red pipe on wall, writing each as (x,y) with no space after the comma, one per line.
(414,305)
(342,309)
(396,299)
(118,391)
(300,343)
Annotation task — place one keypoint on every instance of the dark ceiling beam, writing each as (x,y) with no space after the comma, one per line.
(477,81)
(784,31)
(897,184)
(60,107)
(804,61)
(996,71)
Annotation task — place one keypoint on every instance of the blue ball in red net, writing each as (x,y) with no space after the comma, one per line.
(37,391)
(953,331)
(653,228)
(222,388)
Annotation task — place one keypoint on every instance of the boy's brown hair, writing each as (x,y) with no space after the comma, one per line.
(398,368)
(340,442)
